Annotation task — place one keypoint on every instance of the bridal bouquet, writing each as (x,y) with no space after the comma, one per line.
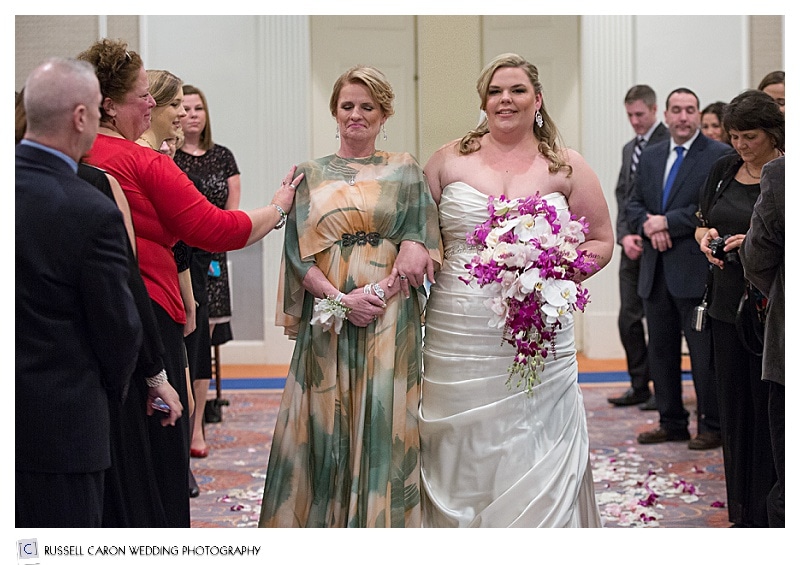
(528,254)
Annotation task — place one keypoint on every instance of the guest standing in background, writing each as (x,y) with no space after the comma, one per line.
(763,257)
(166,207)
(642,110)
(77,329)
(131,470)
(756,128)
(673,271)
(216,168)
(774,84)
(711,122)
(198,342)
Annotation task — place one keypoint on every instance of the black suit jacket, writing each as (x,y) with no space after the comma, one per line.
(685,266)
(77,329)
(625,180)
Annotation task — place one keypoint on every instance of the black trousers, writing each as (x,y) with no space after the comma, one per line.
(631,327)
(744,424)
(671,317)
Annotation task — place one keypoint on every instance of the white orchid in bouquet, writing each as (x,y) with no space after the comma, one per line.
(528,254)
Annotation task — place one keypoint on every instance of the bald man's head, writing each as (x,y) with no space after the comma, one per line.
(62,99)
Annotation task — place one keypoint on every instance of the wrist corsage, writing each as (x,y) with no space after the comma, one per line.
(330,313)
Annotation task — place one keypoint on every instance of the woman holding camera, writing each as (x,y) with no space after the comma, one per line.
(755,125)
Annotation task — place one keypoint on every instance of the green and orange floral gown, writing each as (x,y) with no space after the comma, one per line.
(345,452)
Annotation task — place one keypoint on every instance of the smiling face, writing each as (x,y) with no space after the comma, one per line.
(166,120)
(194,121)
(131,116)
(682,116)
(511,101)
(359,119)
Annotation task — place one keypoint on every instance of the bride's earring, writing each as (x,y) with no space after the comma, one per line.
(539,120)
(337,132)
(383,129)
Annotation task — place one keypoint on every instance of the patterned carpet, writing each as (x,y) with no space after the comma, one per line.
(647,486)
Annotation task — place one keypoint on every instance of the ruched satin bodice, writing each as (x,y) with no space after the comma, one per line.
(494,457)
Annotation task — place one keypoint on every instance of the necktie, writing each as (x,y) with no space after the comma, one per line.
(673,172)
(637,152)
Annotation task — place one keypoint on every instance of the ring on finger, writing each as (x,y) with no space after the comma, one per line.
(403,278)
(292,186)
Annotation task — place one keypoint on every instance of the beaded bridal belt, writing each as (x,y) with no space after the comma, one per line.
(459,247)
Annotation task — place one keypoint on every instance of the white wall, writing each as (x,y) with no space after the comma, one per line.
(708,54)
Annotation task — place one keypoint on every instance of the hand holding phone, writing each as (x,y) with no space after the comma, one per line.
(159,404)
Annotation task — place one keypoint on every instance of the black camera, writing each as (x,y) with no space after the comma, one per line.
(717,247)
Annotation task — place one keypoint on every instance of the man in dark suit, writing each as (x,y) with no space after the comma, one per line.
(673,271)
(77,329)
(640,105)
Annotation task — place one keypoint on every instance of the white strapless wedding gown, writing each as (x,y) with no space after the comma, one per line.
(492,457)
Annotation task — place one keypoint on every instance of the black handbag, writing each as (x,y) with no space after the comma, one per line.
(751,317)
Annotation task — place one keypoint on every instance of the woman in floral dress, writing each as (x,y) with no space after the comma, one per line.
(345,451)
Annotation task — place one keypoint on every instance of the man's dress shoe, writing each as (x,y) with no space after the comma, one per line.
(630,397)
(660,435)
(705,440)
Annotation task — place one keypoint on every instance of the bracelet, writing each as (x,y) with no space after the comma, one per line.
(379,292)
(282,220)
(330,313)
(157,380)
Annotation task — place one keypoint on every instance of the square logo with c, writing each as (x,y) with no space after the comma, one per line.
(27,548)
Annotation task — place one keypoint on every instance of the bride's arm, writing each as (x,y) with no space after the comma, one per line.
(586,200)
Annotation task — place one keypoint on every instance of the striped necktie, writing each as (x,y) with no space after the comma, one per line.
(637,152)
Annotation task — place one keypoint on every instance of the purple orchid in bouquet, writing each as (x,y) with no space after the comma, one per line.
(528,253)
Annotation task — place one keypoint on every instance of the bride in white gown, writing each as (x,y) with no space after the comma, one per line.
(494,457)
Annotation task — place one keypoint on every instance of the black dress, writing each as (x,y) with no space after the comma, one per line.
(131,497)
(727,205)
(213,169)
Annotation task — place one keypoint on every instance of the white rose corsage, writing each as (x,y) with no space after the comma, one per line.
(330,313)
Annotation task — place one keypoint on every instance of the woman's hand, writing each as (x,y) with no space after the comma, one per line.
(364,308)
(284,196)
(711,234)
(170,396)
(412,264)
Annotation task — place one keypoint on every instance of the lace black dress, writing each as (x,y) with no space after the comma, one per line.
(214,168)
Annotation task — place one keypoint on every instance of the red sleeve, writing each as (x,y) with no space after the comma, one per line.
(183,210)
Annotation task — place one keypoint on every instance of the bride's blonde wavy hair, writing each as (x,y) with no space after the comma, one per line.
(549,139)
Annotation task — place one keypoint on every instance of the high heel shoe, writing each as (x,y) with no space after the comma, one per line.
(198,453)
(194,490)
